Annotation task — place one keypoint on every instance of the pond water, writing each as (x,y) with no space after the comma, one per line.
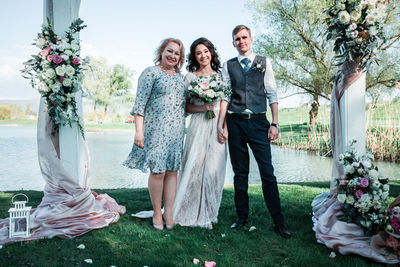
(19,168)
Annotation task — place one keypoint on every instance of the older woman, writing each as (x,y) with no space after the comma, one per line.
(159,116)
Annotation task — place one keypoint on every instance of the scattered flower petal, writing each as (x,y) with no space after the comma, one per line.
(223,235)
(81,246)
(210,264)
(332,255)
(88,261)
(252,228)
(196,261)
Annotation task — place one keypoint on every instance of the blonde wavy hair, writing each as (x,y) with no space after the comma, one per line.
(163,45)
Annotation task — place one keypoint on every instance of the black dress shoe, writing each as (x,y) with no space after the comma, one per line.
(238,224)
(282,231)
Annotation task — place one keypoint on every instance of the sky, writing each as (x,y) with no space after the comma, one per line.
(122,31)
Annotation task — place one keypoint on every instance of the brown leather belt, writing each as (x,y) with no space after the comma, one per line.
(245,116)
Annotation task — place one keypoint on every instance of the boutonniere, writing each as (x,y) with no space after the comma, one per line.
(258,67)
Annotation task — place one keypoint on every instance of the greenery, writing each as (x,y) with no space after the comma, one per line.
(293,36)
(107,85)
(133,242)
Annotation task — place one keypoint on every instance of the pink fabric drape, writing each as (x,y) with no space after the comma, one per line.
(67,210)
(346,238)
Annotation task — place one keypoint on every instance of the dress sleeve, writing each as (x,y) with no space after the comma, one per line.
(143,93)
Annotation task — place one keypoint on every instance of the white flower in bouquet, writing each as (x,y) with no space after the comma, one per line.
(350,199)
(60,70)
(56,87)
(64,56)
(69,70)
(349,169)
(366,163)
(213,84)
(369,19)
(376,184)
(68,52)
(74,46)
(50,73)
(360,171)
(355,16)
(355,164)
(385,195)
(40,42)
(67,82)
(373,174)
(341,198)
(341,6)
(385,188)
(210,93)
(372,2)
(344,17)
(352,27)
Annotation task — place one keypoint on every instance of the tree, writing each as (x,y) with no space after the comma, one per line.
(293,36)
(106,85)
(95,82)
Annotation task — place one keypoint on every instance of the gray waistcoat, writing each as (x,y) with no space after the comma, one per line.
(248,90)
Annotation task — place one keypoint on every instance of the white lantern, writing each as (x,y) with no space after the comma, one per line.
(19,218)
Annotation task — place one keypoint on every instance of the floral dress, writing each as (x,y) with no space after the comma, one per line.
(161,100)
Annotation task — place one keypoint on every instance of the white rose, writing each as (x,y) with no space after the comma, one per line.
(56,87)
(210,93)
(360,170)
(369,19)
(68,52)
(341,6)
(385,195)
(344,17)
(60,70)
(70,70)
(341,198)
(366,163)
(74,47)
(50,73)
(349,169)
(213,84)
(372,2)
(67,82)
(373,174)
(350,199)
(64,56)
(355,16)
(40,42)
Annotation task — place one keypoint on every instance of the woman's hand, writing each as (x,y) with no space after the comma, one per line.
(208,106)
(222,135)
(139,139)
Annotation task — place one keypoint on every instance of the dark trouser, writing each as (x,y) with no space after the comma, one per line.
(254,132)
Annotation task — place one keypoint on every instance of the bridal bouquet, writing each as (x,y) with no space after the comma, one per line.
(208,89)
(356,26)
(363,191)
(56,72)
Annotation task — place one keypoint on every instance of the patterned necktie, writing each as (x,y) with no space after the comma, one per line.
(246,63)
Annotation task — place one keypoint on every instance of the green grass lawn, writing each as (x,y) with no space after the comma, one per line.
(133,242)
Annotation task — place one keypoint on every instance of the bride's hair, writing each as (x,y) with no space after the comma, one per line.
(193,65)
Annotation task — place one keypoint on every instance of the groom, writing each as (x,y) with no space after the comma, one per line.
(252,80)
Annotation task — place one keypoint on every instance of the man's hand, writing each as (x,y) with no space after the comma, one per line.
(222,135)
(273,133)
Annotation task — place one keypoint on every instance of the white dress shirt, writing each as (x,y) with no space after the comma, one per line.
(269,79)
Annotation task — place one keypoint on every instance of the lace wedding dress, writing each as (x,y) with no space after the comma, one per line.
(201,179)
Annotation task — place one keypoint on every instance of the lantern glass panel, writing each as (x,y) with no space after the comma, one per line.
(20,225)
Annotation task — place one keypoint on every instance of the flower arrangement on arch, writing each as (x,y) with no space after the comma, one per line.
(363,191)
(208,89)
(356,26)
(56,72)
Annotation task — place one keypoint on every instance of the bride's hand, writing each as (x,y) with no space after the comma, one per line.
(209,106)
(139,140)
(222,135)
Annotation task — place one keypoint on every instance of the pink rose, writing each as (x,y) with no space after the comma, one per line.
(44,52)
(364,182)
(57,59)
(61,78)
(49,58)
(359,193)
(204,85)
(75,61)
(210,264)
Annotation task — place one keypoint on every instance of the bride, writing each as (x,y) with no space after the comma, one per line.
(201,179)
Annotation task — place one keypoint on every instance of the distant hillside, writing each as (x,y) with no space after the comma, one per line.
(22,103)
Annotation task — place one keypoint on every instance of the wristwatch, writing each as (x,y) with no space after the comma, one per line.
(275,125)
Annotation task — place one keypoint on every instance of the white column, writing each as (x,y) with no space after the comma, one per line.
(61,14)
(352,107)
